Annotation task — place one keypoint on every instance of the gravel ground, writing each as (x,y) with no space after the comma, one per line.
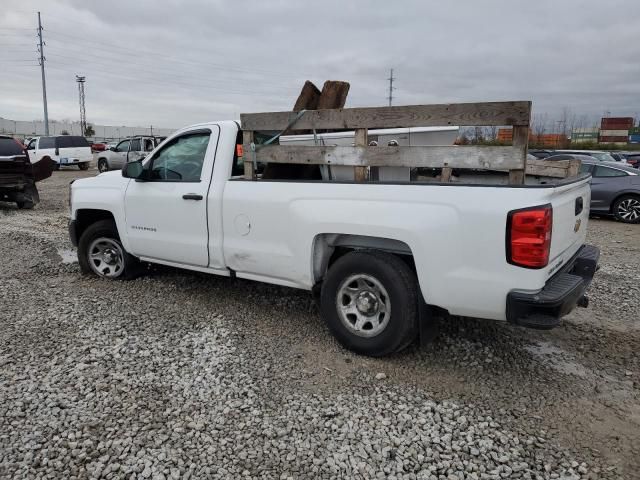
(183,375)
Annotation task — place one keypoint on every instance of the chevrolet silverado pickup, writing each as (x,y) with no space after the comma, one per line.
(382,257)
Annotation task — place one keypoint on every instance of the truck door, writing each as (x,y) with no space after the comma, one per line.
(166,215)
(119,154)
(135,150)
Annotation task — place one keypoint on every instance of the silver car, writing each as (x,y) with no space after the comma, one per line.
(127,150)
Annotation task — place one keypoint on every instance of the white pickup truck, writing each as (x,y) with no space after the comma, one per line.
(383,257)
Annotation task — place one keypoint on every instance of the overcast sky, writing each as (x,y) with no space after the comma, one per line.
(173,63)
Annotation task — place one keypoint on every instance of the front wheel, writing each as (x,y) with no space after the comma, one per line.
(101,252)
(627,209)
(83,166)
(103,166)
(370,302)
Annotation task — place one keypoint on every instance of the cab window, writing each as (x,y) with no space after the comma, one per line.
(181,159)
(135,145)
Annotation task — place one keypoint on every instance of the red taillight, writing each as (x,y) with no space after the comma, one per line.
(529,236)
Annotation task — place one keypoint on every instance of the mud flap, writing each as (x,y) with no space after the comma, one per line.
(428,318)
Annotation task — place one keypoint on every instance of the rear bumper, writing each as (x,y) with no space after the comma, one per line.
(560,295)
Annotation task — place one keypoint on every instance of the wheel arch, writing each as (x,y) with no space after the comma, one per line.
(86,217)
(328,247)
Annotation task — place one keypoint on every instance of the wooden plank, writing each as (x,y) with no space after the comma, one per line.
(361,174)
(520,142)
(456,114)
(485,157)
(247,139)
(308,98)
(553,168)
(334,95)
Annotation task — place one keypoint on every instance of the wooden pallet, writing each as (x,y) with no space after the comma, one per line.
(361,156)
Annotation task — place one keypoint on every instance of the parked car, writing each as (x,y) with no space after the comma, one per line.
(126,151)
(98,147)
(618,157)
(18,176)
(569,156)
(540,154)
(597,154)
(615,190)
(371,250)
(63,150)
(633,159)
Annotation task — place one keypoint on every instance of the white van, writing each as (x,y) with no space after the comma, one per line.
(63,150)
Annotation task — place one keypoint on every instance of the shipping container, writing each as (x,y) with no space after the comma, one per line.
(614,133)
(616,123)
(611,139)
(635,138)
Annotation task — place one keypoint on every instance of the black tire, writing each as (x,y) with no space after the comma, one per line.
(83,166)
(106,229)
(57,167)
(103,165)
(627,209)
(25,204)
(401,286)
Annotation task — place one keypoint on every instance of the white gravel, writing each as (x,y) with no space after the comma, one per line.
(180,375)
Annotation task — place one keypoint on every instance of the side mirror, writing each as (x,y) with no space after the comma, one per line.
(133,170)
(113,149)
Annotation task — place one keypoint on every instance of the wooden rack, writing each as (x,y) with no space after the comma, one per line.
(361,156)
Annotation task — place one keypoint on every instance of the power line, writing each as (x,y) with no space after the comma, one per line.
(138,50)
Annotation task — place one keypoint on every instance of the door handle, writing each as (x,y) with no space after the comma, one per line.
(192,196)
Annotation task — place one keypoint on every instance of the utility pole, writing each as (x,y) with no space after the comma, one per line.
(391,88)
(83,114)
(151,128)
(44,82)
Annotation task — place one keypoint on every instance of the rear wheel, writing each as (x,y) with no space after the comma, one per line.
(83,166)
(370,302)
(103,166)
(627,209)
(101,252)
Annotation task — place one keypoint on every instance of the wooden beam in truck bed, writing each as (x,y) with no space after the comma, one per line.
(458,114)
(479,157)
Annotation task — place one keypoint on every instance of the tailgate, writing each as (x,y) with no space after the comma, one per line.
(570,218)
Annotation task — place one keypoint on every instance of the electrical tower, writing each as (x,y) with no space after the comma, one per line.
(44,82)
(83,114)
(391,88)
